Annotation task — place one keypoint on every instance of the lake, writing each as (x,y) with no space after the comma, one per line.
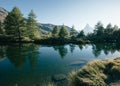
(35,65)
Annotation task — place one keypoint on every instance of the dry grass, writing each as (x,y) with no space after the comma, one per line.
(96,73)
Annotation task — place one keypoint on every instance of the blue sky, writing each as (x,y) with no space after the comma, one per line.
(69,12)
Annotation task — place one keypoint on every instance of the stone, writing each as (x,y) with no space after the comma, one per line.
(58,77)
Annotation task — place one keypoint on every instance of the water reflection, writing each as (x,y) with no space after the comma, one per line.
(62,50)
(80,46)
(106,48)
(72,47)
(18,54)
(2,52)
(59,59)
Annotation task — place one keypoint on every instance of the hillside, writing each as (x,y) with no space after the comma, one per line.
(49,27)
(3,14)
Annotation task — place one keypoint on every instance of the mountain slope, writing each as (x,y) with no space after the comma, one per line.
(49,27)
(3,14)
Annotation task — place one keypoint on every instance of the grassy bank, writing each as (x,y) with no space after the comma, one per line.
(97,73)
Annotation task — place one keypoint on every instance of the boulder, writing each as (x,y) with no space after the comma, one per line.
(58,77)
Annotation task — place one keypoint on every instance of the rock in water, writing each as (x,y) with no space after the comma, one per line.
(58,77)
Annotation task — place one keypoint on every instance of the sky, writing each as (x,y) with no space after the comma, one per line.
(69,12)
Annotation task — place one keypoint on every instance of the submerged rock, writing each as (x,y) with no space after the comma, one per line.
(58,77)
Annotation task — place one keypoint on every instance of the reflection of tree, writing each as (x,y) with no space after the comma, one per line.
(72,47)
(61,49)
(33,54)
(2,51)
(18,54)
(55,48)
(96,50)
(80,46)
(106,48)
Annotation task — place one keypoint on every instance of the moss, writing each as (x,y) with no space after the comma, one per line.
(97,73)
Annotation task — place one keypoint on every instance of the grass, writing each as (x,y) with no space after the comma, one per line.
(96,73)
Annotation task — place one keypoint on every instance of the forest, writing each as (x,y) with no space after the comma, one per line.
(16,28)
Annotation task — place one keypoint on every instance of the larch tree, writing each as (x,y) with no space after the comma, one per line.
(81,34)
(63,32)
(32,26)
(14,24)
(55,31)
(73,32)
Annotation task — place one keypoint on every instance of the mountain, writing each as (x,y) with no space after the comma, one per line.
(45,28)
(88,29)
(3,14)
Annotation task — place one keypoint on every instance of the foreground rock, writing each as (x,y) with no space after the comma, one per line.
(58,77)
(97,73)
(60,80)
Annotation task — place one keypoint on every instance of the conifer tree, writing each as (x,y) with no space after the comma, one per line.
(55,31)
(14,24)
(32,26)
(63,32)
(73,32)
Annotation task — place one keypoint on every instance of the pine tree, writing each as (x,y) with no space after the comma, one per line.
(81,34)
(14,23)
(55,31)
(63,32)
(99,29)
(73,32)
(32,26)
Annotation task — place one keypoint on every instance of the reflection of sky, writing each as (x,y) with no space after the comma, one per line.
(69,12)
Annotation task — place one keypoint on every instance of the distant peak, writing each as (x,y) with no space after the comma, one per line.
(88,29)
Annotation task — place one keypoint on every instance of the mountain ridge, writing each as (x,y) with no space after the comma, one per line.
(49,27)
(3,14)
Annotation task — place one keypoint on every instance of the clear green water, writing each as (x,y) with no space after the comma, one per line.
(30,64)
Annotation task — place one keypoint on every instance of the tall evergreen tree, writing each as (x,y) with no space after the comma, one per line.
(81,34)
(109,29)
(99,29)
(73,32)
(55,31)
(14,23)
(63,32)
(32,26)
